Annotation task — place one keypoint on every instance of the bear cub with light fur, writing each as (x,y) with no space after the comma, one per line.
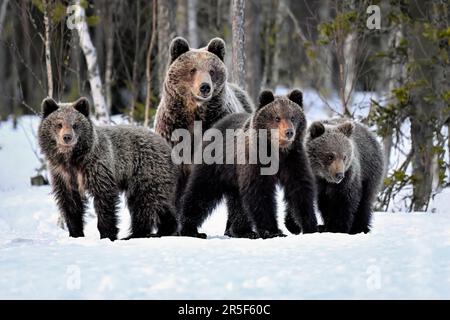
(103,161)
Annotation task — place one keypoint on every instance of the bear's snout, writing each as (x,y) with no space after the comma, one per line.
(289,133)
(286,132)
(339,176)
(337,170)
(67,138)
(205,89)
(202,88)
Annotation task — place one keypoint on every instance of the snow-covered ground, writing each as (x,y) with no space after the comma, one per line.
(406,255)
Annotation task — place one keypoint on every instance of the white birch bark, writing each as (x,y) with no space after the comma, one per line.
(238,53)
(90,54)
(192,23)
(47,45)
(350,44)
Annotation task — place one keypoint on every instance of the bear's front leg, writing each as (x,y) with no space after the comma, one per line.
(258,200)
(238,224)
(338,214)
(105,205)
(106,199)
(363,216)
(299,192)
(200,198)
(71,204)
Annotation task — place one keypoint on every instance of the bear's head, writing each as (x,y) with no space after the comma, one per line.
(284,114)
(330,149)
(196,74)
(65,127)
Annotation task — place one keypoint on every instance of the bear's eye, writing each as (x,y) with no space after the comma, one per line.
(193,71)
(345,158)
(75,126)
(212,73)
(330,157)
(292,119)
(277,119)
(59,126)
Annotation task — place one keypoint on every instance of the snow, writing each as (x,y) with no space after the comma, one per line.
(407,256)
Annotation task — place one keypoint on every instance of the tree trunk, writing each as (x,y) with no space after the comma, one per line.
(109,54)
(28,91)
(349,76)
(422,161)
(90,55)
(148,70)
(448,152)
(326,57)
(270,71)
(238,53)
(3,9)
(192,9)
(182,19)
(346,49)
(134,72)
(253,47)
(424,113)
(47,44)
(396,74)
(166,32)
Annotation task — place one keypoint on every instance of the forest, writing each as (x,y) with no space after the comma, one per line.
(384,63)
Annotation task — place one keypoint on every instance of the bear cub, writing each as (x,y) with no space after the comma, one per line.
(84,159)
(209,183)
(348,163)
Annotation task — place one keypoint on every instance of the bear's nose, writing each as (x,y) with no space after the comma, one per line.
(339,176)
(67,138)
(289,133)
(205,88)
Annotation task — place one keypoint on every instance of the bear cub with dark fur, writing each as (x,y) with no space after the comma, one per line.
(84,159)
(209,183)
(348,163)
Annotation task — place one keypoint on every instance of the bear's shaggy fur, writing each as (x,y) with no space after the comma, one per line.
(84,159)
(196,89)
(184,100)
(209,183)
(348,164)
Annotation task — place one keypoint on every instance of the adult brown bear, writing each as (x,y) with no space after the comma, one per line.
(196,89)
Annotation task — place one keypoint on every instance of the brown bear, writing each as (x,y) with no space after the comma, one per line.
(196,89)
(103,161)
(348,163)
(245,180)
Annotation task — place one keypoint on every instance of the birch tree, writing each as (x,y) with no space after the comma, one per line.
(148,70)
(47,44)
(396,74)
(90,54)
(238,52)
(166,32)
(109,53)
(192,8)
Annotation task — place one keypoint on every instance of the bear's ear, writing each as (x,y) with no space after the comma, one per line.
(265,98)
(296,96)
(316,129)
(82,106)
(217,46)
(48,106)
(347,128)
(178,46)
